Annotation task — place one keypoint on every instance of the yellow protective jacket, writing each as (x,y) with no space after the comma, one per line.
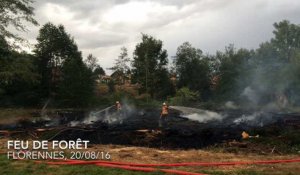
(165,110)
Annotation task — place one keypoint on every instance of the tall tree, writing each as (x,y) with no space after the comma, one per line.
(121,68)
(91,63)
(149,65)
(13,13)
(233,66)
(65,76)
(287,39)
(192,69)
(121,63)
(54,47)
(18,77)
(77,85)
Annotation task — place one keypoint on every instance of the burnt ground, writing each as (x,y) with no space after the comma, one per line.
(140,128)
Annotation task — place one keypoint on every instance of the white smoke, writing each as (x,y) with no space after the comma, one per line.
(109,115)
(231,105)
(198,115)
(255,119)
(74,123)
(203,118)
(251,95)
(96,115)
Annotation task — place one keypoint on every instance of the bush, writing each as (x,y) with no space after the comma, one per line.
(185,96)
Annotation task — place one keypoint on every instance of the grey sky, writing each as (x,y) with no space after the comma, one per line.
(103,27)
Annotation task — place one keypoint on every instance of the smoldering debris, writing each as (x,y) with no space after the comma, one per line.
(255,119)
(188,128)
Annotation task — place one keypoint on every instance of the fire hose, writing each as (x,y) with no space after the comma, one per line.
(121,166)
(149,167)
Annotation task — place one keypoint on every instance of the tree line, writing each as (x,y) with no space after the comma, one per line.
(57,71)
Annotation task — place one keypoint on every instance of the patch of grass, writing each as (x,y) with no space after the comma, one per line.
(286,141)
(11,115)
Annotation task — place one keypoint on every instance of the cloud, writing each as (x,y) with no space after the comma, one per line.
(103,27)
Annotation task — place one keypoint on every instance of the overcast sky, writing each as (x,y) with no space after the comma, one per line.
(102,27)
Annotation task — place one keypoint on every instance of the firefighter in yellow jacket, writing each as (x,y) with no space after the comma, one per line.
(119,112)
(163,115)
(118,106)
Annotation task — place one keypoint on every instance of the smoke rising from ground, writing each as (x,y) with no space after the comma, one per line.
(251,95)
(109,115)
(255,119)
(198,115)
(230,105)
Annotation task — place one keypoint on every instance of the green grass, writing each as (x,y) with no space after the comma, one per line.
(286,141)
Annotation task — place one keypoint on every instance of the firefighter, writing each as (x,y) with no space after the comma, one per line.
(119,113)
(163,115)
(118,106)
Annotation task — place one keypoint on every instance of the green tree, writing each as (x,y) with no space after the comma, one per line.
(192,69)
(233,66)
(54,47)
(276,65)
(91,63)
(185,96)
(98,71)
(121,68)
(64,75)
(76,88)
(149,66)
(287,39)
(12,14)
(121,63)
(18,77)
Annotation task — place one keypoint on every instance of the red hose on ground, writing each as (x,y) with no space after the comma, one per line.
(120,166)
(148,167)
(145,169)
(82,162)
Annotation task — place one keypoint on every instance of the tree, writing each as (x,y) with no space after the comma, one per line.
(149,65)
(91,63)
(184,96)
(121,63)
(64,75)
(275,66)
(287,39)
(77,85)
(4,47)
(192,69)
(18,77)
(13,13)
(233,72)
(99,71)
(54,47)
(121,68)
